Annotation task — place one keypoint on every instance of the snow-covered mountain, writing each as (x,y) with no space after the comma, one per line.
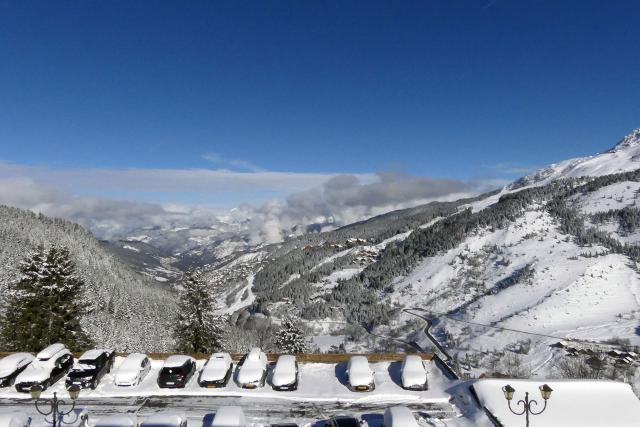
(623,157)
(553,254)
(125,310)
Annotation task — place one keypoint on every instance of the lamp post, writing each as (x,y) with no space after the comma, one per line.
(55,404)
(545,392)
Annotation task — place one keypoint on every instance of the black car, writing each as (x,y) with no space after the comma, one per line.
(284,425)
(176,371)
(50,365)
(91,367)
(342,421)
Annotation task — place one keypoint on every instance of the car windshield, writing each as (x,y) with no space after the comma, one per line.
(172,371)
(84,370)
(347,422)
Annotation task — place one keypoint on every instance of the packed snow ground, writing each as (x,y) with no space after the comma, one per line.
(322,392)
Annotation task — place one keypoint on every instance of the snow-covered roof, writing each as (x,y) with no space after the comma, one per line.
(229,416)
(573,402)
(167,419)
(176,361)
(10,363)
(399,416)
(14,419)
(93,354)
(116,421)
(50,351)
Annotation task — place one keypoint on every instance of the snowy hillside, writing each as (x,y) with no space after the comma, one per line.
(553,254)
(125,311)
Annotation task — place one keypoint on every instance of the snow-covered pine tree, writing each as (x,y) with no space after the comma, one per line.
(290,337)
(44,305)
(198,328)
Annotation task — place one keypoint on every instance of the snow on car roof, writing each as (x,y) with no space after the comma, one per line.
(254,353)
(359,362)
(219,356)
(176,361)
(399,416)
(228,416)
(163,420)
(285,370)
(8,364)
(50,351)
(572,402)
(116,421)
(133,361)
(93,354)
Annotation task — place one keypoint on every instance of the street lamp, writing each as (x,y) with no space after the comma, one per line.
(545,392)
(55,404)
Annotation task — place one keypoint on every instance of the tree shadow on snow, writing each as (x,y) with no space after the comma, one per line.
(395,372)
(341,374)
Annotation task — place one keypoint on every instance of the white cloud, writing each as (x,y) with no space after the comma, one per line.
(82,195)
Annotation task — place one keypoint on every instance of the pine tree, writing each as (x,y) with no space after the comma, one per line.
(44,305)
(198,329)
(290,338)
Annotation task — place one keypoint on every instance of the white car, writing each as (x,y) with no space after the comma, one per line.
(359,374)
(399,416)
(229,416)
(217,371)
(167,419)
(253,370)
(285,374)
(50,365)
(117,421)
(133,369)
(414,374)
(15,419)
(12,365)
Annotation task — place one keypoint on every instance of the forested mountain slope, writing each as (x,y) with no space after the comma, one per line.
(125,311)
(554,255)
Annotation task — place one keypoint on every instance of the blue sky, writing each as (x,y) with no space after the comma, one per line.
(446,89)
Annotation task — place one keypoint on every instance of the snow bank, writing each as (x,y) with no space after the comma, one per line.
(573,402)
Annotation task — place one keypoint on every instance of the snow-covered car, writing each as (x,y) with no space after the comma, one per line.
(117,421)
(342,421)
(176,371)
(50,365)
(217,371)
(229,416)
(399,416)
(253,369)
(91,367)
(167,419)
(285,374)
(12,365)
(414,374)
(359,374)
(133,369)
(15,419)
